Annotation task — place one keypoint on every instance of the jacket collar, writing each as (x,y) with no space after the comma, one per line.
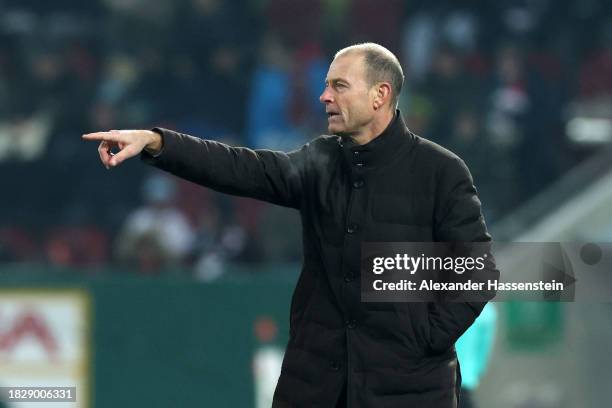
(380,149)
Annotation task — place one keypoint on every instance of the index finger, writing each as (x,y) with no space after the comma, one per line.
(107,136)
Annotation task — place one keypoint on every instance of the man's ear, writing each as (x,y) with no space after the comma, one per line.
(383,94)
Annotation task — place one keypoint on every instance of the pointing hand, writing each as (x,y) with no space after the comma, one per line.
(127,143)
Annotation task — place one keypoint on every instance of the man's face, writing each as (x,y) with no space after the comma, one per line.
(348,98)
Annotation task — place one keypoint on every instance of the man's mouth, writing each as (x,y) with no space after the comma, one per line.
(332,114)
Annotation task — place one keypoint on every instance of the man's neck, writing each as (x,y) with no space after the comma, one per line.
(375,129)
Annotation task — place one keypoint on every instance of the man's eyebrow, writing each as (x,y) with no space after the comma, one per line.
(336,80)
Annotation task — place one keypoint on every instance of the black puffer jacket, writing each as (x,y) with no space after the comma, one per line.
(398,187)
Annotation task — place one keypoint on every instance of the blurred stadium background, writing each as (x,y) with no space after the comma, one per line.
(145,290)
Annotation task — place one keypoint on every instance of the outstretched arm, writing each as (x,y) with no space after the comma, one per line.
(266,175)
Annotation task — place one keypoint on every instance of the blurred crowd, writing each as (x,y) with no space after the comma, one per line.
(494,81)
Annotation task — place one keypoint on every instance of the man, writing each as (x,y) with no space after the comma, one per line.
(370,180)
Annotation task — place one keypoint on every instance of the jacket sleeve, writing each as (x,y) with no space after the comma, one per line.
(458,219)
(265,175)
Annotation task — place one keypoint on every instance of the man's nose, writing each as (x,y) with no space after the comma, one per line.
(326,96)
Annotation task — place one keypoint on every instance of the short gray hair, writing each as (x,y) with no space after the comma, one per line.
(381,65)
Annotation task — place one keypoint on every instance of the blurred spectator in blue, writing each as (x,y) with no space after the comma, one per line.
(474,351)
(157,235)
(268,112)
(308,77)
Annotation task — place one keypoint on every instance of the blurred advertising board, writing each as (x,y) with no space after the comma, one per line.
(44,342)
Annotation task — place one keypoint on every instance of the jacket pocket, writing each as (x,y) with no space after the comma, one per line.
(416,317)
(440,342)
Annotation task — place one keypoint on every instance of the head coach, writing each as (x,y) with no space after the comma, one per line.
(370,179)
